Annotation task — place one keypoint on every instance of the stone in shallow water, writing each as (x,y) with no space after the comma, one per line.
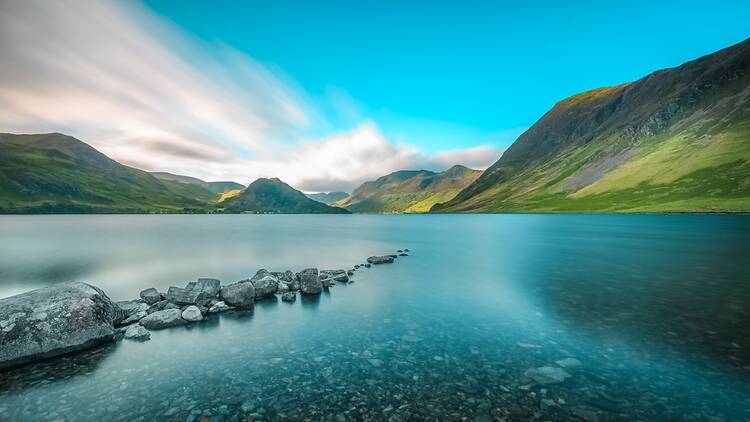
(137,332)
(130,307)
(162,305)
(54,320)
(264,283)
(219,307)
(240,294)
(192,314)
(309,281)
(569,363)
(385,259)
(134,318)
(289,297)
(151,296)
(547,375)
(163,319)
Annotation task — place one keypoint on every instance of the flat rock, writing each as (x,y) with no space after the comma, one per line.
(55,320)
(309,282)
(547,375)
(151,296)
(162,305)
(137,332)
(209,286)
(163,319)
(134,318)
(192,314)
(376,260)
(180,296)
(240,294)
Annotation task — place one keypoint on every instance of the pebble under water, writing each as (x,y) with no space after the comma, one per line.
(630,317)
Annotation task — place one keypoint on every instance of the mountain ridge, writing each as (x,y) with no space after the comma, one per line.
(272,196)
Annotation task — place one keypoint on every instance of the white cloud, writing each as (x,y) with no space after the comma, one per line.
(136,88)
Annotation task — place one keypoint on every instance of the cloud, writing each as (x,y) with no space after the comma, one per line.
(118,77)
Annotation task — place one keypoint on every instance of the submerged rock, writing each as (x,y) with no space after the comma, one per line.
(309,282)
(163,319)
(54,320)
(151,296)
(240,294)
(137,332)
(569,363)
(192,314)
(547,375)
(385,259)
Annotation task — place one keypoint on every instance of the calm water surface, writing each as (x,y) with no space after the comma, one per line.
(657,309)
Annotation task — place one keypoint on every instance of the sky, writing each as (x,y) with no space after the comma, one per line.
(326,95)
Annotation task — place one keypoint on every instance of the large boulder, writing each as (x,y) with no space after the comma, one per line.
(240,294)
(309,282)
(199,292)
(151,296)
(209,286)
(54,320)
(163,319)
(265,284)
(287,281)
(385,259)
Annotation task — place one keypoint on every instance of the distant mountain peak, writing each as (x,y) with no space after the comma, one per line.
(272,195)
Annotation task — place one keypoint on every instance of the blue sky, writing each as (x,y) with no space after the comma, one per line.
(327,95)
(437,71)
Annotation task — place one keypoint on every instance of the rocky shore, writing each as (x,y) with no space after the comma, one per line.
(73,316)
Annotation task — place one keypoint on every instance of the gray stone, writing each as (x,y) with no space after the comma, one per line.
(547,375)
(162,305)
(219,307)
(180,296)
(151,296)
(130,307)
(289,297)
(137,332)
(264,283)
(192,314)
(385,259)
(240,294)
(134,318)
(309,282)
(163,319)
(569,363)
(54,320)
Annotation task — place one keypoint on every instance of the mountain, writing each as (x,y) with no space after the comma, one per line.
(215,187)
(675,140)
(275,196)
(327,198)
(409,190)
(55,173)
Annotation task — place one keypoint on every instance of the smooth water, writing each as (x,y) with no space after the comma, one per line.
(657,309)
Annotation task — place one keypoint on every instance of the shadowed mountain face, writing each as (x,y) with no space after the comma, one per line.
(328,198)
(275,196)
(676,140)
(409,190)
(215,187)
(55,173)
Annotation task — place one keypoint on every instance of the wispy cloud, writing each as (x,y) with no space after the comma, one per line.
(118,77)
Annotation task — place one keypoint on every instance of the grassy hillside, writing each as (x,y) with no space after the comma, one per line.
(215,187)
(55,173)
(676,140)
(409,191)
(328,198)
(274,196)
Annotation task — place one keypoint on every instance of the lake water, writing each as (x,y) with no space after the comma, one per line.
(656,308)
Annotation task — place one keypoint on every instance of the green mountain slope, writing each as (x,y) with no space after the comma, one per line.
(327,198)
(676,140)
(55,173)
(275,196)
(215,187)
(409,190)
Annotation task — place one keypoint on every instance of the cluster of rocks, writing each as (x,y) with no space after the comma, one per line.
(73,316)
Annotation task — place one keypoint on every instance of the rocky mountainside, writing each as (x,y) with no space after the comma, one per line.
(328,198)
(675,140)
(55,173)
(274,196)
(215,187)
(409,190)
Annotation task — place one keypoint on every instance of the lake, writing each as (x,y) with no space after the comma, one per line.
(655,307)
